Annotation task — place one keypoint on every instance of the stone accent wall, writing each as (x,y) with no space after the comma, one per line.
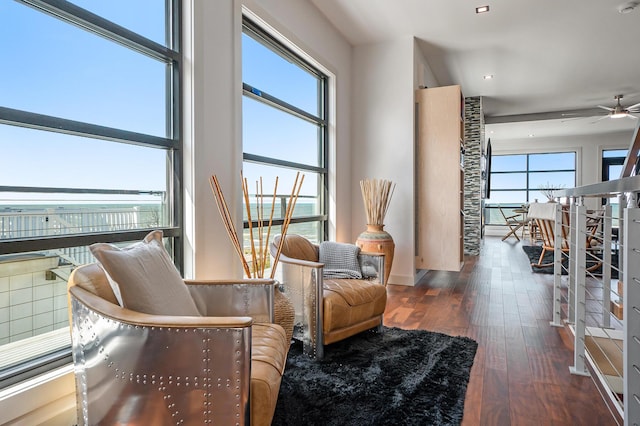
(474,145)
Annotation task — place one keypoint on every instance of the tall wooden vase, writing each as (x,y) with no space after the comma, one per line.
(375,239)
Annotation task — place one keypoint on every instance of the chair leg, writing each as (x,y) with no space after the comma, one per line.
(512,231)
(594,267)
(540,264)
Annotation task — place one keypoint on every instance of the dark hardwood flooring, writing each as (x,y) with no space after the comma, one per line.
(521,373)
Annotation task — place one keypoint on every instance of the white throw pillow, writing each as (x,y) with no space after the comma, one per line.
(147,278)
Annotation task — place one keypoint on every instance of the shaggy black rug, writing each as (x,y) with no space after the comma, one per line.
(398,377)
(533,253)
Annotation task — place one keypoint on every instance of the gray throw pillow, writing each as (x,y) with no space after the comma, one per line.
(340,260)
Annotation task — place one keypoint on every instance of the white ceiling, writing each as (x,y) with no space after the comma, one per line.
(547,56)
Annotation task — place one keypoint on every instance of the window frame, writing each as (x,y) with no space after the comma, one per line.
(527,171)
(172,144)
(251,29)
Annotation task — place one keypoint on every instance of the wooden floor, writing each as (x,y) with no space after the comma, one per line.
(521,373)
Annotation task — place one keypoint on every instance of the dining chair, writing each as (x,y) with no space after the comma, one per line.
(514,222)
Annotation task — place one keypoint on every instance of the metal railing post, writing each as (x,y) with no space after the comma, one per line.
(606,265)
(571,285)
(579,252)
(557,268)
(631,316)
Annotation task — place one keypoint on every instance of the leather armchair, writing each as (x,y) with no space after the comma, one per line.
(329,310)
(134,368)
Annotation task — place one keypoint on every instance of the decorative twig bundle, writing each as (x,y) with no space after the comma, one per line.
(287,219)
(548,189)
(228,221)
(376,195)
(260,253)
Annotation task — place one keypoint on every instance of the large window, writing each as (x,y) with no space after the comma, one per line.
(612,166)
(612,163)
(90,136)
(519,179)
(284,133)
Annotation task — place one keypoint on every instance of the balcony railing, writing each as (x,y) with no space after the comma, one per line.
(601,305)
(20,223)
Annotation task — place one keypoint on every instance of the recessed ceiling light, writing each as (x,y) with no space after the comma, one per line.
(488,77)
(482,9)
(531,135)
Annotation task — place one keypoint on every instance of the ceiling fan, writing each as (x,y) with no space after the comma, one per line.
(618,111)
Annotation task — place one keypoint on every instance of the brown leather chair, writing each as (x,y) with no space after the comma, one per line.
(329,310)
(224,367)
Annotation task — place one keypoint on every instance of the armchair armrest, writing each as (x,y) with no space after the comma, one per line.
(244,297)
(300,262)
(372,266)
(125,316)
(120,355)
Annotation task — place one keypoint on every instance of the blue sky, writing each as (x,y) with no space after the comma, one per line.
(66,72)
(53,70)
(270,132)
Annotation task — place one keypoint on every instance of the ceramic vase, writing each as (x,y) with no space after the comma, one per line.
(376,240)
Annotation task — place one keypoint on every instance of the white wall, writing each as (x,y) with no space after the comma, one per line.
(383,141)
(423,75)
(212,137)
